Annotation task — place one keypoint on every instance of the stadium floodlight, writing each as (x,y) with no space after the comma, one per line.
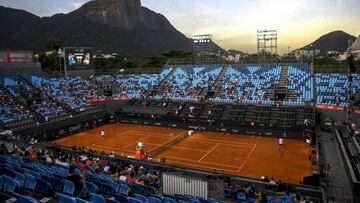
(202,38)
(266,43)
(202,45)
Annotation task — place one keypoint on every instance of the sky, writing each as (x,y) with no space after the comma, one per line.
(233,23)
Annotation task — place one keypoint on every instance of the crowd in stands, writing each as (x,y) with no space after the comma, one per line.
(299,80)
(32,171)
(332,88)
(135,85)
(247,84)
(188,82)
(11,111)
(65,91)
(10,108)
(51,171)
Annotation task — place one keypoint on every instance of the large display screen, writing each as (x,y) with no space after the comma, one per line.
(78,57)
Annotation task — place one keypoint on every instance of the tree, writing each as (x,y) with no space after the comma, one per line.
(53,44)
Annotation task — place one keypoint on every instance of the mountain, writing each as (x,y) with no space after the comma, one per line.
(333,41)
(121,26)
(13,21)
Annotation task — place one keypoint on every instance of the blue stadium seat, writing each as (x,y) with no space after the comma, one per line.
(62,198)
(124,198)
(24,199)
(30,182)
(10,185)
(141,197)
(78,200)
(57,184)
(133,200)
(20,178)
(91,188)
(154,200)
(124,189)
(97,198)
(43,187)
(69,188)
(168,200)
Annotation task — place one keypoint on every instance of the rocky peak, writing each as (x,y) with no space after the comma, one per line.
(126,14)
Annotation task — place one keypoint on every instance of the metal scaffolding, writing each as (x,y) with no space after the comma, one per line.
(266,45)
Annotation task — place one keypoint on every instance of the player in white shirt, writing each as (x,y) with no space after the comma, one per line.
(102,135)
(281,143)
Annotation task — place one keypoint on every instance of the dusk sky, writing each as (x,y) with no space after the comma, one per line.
(233,23)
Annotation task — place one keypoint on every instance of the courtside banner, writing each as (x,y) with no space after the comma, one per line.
(330,107)
(20,56)
(91,100)
(121,98)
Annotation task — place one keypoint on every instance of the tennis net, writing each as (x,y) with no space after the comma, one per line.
(168,144)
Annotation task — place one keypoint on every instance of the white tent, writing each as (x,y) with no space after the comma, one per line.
(355,47)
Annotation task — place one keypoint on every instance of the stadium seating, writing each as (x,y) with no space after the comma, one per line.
(300,80)
(249,84)
(245,84)
(45,186)
(135,85)
(11,110)
(68,91)
(332,89)
(187,82)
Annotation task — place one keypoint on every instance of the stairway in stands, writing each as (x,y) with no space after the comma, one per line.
(213,91)
(160,88)
(282,88)
(283,76)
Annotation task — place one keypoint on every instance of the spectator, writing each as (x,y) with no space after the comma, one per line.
(76,179)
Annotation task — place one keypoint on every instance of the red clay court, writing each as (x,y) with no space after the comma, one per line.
(236,154)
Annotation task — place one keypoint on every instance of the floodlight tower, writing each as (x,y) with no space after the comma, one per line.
(202,44)
(266,44)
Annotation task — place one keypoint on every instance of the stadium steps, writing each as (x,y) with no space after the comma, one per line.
(283,76)
(160,88)
(218,82)
(270,93)
(212,90)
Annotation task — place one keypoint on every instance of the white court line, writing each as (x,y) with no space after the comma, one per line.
(223,143)
(155,134)
(200,166)
(208,152)
(198,163)
(191,149)
(248,156)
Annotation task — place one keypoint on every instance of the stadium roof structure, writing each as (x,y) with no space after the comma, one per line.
(355,47)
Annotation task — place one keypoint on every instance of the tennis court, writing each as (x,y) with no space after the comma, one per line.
(242,155)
